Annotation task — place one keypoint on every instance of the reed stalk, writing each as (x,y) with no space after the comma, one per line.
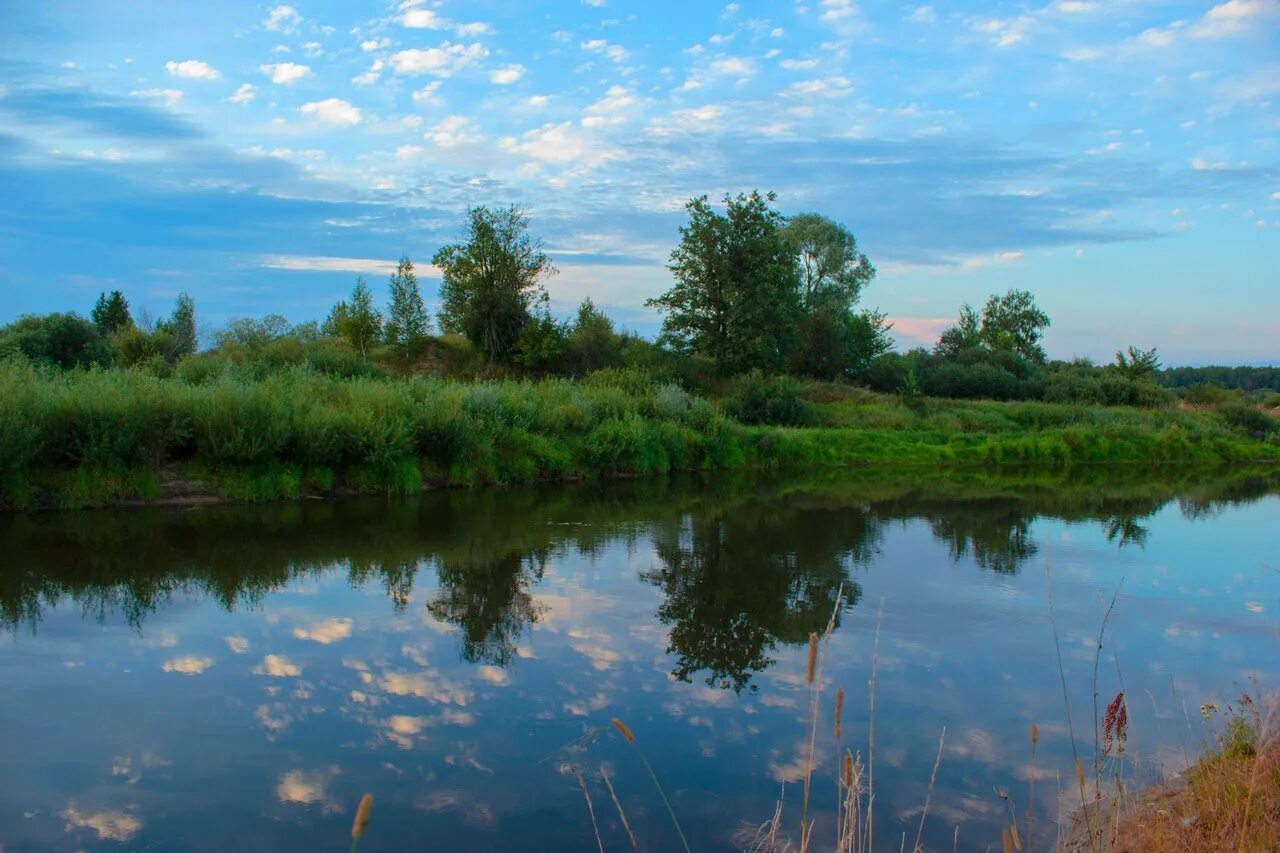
(630,738)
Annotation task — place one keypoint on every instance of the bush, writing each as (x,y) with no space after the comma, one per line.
(1205,394)
(979,380)
(885,374)
(761,399)
(1252,421)
(61,340)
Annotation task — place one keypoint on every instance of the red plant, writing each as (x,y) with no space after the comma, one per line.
(1115,727)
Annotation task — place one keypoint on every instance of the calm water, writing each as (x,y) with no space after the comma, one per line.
(236,678)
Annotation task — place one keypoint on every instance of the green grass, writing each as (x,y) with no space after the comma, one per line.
(88,437)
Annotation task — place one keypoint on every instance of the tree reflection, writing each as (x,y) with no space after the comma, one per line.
(737,583)
(490,601)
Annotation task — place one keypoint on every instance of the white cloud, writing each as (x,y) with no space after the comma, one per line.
(325,263)
(452,132)
(169,96)
(556,143)
(538,100)
(1236,17)
(923,15)
(243,94)
(285,73)
(1083,54)
(506,75)
(1005,32)
(370,76)
(109,826)
(441,61)
(325,631)
(423,19)
(798,64)
(834,11)
(334,111)
(1156,37)
(427,93)
(187,665)
(613,51)
(733,66)
(1200,164)
(313,49)
(1076,7)
(594,3)
(475,28)
(192,69)
(277,666)
(237,644)
(282,19)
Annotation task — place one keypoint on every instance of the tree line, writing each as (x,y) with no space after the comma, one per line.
(753,290)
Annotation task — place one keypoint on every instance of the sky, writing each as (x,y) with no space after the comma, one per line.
(1119,159)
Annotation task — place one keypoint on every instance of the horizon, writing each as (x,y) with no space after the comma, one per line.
(1117,160)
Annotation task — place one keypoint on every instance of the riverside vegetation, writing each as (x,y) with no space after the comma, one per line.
(764,359)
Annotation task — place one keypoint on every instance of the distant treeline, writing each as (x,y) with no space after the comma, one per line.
(1233,378)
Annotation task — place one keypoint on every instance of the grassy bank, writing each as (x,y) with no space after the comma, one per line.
(84,437)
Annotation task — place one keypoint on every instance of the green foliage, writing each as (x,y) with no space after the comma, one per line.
(1250,420)
(492,280)
(736,296)
(831,269)
(1245,378)
(1138,363)
(1205,394)
(592,342)
(134,346)
(61,340)
(836,343)
(110,312)
(1011,323)
(541,346)
(182,325)
(912,396)
(761,399)
(407,320)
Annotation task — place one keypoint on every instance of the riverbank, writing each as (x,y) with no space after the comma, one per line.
(91,438)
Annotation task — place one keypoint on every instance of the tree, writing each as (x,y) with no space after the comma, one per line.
(736,296)
(1138,364)
(492,280)
(363,326)
(63,340)
(407,320)
(837,343)
(182,325)
(111,312)
(593,344)
(335,324)
(830,266)
(1012,324)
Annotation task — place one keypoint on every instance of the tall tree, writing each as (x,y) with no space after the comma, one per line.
(1011,323)
(182,325)
(111,312)
(492,280)
(363,326)
(736,296)
(1139,363)
(830,266)
(407,320)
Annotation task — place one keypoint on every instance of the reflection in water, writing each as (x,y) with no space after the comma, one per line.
(490,602)
(737,581)
(443,647)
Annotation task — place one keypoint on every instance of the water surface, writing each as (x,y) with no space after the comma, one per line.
(236,678)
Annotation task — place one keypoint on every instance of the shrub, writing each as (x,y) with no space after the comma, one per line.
(61,340)
(1252,421)
(979,380)
(1205,394)
(761,399)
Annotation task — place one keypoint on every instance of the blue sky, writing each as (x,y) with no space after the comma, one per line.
(1120,159)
